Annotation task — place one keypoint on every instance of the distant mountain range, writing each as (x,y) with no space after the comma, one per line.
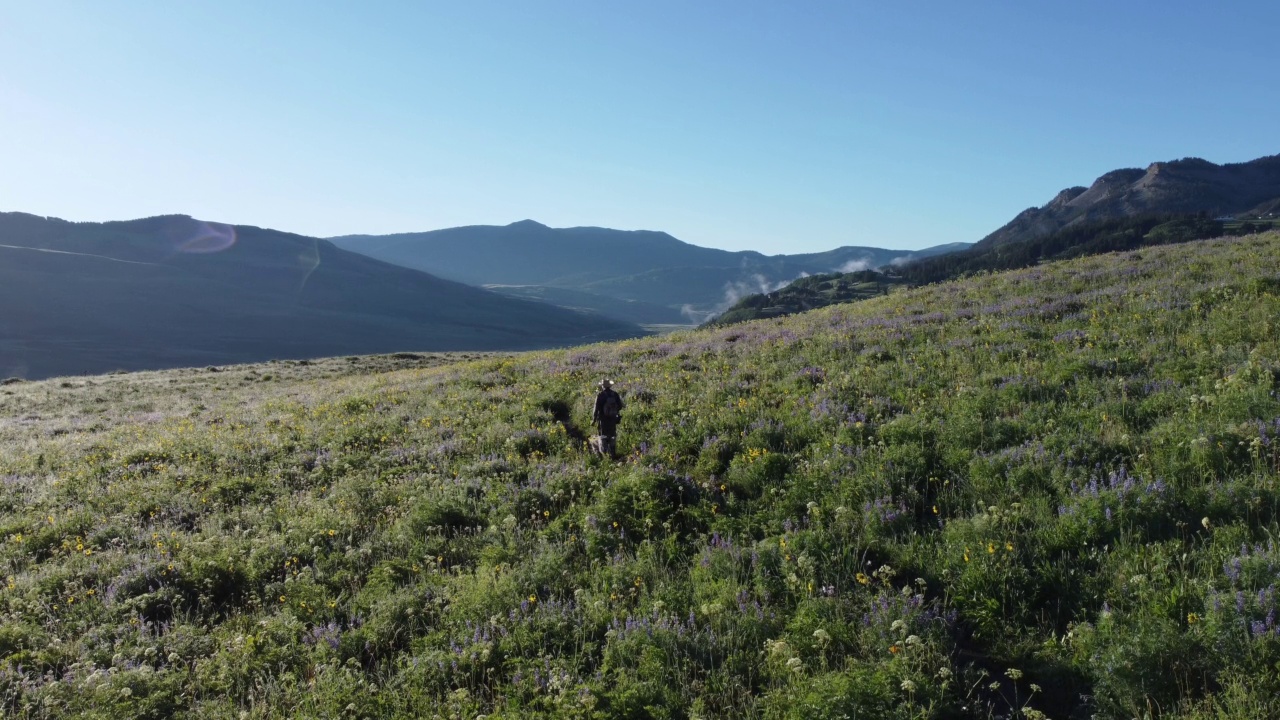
(173,291)
(662,279)
(1188,186)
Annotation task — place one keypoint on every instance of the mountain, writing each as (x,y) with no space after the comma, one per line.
(1088,237)
(174,291)
(1186,186)
(639,266)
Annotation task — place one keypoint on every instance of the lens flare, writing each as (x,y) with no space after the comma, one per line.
(309,261)
(209,238)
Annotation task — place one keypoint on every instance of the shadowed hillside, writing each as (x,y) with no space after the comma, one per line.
(621,309)
(815,291)
(173,291)
(1052,492)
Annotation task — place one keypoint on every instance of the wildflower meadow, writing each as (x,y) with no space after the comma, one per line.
(1045,493)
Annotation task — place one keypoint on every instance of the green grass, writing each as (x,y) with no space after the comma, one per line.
(1050,492)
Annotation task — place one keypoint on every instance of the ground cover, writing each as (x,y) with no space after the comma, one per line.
(1051,492)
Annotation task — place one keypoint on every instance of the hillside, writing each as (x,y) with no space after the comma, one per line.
(174,292)
(638,266)
(1078,240)
(810,293)
(1186,186)
(1051,492)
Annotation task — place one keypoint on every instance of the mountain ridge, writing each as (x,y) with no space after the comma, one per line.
(630,265)
(1187,186)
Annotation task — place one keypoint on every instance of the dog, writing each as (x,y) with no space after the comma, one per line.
(602,445)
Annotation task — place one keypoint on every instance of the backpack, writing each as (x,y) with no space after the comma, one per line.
(612,405)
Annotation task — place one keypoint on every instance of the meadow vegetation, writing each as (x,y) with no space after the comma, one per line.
(1051,492)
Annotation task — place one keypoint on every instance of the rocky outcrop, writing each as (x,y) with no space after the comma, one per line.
(1190,185)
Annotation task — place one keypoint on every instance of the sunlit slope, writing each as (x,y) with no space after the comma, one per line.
(1047,490)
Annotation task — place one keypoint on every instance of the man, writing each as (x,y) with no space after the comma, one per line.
(607,414)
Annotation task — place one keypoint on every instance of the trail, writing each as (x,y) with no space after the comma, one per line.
(68,252)
(563,415)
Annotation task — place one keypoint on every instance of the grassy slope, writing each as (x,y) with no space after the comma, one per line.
(1001,495)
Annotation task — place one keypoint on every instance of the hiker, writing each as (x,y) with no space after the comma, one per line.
(607,413)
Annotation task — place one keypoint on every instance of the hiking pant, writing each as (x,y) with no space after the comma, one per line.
(608,427)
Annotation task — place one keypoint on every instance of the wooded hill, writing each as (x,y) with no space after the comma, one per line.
(810,293)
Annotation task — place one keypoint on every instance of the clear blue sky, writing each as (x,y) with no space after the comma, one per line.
(734,124)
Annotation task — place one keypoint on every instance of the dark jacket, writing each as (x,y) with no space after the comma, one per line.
(602,400)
